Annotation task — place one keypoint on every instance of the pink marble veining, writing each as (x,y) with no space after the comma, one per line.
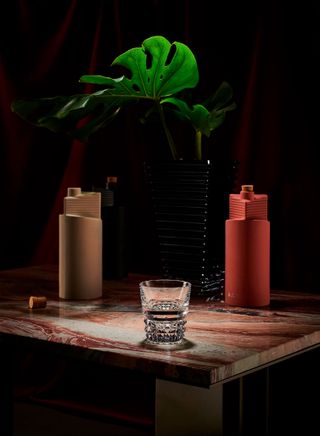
(221,341)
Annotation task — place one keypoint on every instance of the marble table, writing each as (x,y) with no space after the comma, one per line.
(222,343)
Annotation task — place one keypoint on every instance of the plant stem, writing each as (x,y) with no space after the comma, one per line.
(198,145)
(167,132)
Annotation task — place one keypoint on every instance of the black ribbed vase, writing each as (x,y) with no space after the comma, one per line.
(190,205)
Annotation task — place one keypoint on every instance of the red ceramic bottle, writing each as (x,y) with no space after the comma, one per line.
(247,261)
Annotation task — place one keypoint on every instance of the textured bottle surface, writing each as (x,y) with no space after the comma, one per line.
(247,261)
(80,246)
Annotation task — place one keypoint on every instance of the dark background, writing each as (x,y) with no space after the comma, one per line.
(268,51)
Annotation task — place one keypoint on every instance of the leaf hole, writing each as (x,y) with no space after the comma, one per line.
(148,60)
(135,87)
(171,54)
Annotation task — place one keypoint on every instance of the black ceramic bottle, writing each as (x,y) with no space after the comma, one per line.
(113,215)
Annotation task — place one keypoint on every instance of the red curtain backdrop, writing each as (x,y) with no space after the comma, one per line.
(268,54)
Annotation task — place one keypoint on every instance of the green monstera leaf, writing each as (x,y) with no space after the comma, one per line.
(205,117)
(209,115)
(158,69)
(156,72)
(68,114)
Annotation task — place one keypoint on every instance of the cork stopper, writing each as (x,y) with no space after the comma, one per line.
(247,188)
(247,192)
(112,179)
(37,302)
(73,192)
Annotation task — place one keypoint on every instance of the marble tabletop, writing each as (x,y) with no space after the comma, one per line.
(221,341)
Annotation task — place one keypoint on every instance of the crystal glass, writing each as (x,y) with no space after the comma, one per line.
(165,305)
